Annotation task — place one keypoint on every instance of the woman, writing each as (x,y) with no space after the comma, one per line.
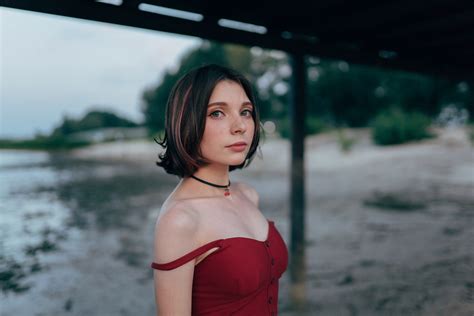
(214,251)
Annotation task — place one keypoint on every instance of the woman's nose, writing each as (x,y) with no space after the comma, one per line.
(239,125)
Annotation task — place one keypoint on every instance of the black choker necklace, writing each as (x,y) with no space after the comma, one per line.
(226,192)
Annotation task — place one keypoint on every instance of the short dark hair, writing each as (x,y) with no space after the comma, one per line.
(185,119)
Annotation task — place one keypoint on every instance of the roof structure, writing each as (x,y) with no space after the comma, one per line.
(433,37)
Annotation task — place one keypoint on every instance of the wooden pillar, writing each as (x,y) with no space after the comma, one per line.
(297,110)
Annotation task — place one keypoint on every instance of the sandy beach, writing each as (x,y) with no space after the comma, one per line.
(389,229)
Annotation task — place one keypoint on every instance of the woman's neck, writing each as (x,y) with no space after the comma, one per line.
(215,174)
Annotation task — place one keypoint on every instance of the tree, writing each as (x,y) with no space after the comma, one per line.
(92,120)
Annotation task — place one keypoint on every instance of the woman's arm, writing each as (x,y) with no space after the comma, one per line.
(175,235)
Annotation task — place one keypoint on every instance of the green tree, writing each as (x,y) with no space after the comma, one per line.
(92,120)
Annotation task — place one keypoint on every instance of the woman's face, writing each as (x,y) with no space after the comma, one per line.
(228,120)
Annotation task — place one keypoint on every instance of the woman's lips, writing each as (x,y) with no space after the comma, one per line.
(237,148)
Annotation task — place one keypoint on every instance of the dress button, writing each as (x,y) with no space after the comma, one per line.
(273,261)
(267,243)
(272,280)
(270,300)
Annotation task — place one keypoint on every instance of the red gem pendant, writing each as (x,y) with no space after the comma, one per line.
(226,192)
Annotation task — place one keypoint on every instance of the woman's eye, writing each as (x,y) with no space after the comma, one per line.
(249,111)
(214,113)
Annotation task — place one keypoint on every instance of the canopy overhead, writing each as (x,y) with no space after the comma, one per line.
(434,37)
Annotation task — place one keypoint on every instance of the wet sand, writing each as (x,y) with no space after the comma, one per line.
(389,229)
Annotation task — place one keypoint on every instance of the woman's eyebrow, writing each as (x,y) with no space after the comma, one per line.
(225,104)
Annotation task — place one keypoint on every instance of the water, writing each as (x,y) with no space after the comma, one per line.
(66,225)
(31,219)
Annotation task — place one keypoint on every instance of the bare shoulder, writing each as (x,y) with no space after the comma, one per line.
(248,191)
(178,215)
(175,233)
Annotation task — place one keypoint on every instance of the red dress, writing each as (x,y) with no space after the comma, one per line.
(239,278)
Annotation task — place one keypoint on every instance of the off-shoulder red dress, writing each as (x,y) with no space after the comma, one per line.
(239,278)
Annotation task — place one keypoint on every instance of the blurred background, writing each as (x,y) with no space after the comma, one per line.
(389,163)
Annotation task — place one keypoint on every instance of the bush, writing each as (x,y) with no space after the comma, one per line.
(471,133)
(395,126)
(283,128)
(345,142)
(315,125)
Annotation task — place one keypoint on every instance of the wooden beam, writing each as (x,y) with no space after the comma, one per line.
(297,110)
(129,15)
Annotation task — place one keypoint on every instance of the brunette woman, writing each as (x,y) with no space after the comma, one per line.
(215,253)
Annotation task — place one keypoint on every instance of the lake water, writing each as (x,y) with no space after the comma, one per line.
(66,224)
(31,216)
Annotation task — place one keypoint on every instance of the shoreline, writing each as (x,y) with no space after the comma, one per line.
(322,151)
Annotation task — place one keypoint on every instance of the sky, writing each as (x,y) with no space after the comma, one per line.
(51,66)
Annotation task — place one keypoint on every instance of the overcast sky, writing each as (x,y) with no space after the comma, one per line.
(51,66)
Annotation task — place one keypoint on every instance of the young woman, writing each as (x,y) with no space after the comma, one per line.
(215,253)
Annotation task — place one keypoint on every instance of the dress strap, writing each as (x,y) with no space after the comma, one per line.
(187,257)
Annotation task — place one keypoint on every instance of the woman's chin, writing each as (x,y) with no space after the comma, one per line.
(237,162)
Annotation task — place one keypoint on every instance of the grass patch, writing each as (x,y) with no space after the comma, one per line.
(42,143)
(470,130)
(12,275)
(391,201)
(345,142)
(44,246)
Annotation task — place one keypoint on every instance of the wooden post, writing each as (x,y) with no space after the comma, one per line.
(297,108)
